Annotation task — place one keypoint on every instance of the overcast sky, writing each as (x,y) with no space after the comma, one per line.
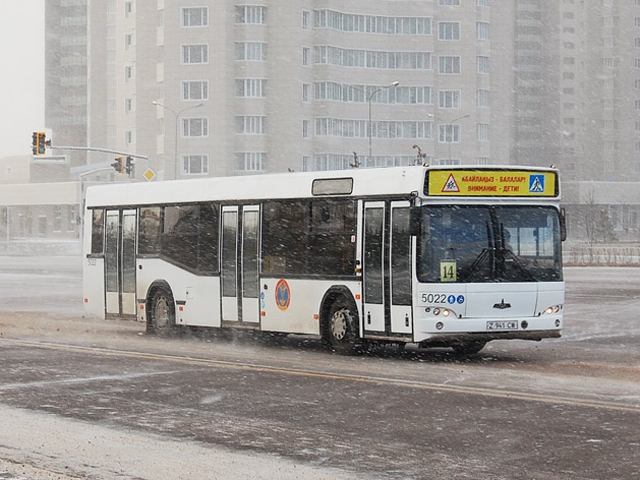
(22,74)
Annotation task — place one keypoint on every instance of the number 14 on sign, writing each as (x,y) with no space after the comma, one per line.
(448,271)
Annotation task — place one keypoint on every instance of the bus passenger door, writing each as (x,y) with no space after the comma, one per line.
(120,263)
(387,268)
(240,250)
(373,267)
(250,311)
(229,265)
(400,268)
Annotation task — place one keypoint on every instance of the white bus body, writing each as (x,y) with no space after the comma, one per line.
(438,256)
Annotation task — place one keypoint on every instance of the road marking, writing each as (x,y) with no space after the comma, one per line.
(431,386)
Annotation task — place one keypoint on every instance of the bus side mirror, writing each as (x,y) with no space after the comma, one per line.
(563,224)
(415,221)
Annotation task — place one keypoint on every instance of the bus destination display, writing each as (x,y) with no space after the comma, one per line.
(491,183)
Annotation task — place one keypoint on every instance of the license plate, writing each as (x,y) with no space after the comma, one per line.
(502,325)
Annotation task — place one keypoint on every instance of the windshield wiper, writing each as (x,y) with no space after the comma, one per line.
(486,255)
(508,257)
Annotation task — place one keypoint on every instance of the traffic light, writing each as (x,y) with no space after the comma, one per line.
(128,167)
(117,165)
(39,143)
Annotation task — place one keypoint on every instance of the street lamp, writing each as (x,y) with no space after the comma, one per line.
(176,116)
(450,132)
(394,84)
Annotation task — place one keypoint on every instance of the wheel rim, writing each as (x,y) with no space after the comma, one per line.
(161,313)
(339,325)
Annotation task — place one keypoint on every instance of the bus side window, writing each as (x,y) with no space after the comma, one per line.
(97,231)
(149,228)
(208,238)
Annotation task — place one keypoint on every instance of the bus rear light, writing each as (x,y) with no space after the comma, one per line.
(86,300)
(553,309)
(446,312)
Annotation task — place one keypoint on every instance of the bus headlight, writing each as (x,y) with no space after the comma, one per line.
(553,309)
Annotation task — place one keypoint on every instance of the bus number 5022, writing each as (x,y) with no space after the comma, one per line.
(434,298)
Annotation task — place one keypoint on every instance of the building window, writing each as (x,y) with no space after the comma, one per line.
(347,22)
(251,51)
(482,161)
(195,90)
(195,164)
(306,56)
(482,30)
(448,31)
(252,125)
(482,98)
(128,9)
(306,92)
(449,133)
(251,14)
(128,105)
(195,17)
(195,54)
(483,64)
(251,161)
(306,128)
(128,41)
(306,19)
(195,127)
(449,99)
(453,3)
(483,132)
(128,73)
(449,65)
(251,87)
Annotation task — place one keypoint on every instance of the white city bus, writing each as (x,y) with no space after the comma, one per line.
(438,256)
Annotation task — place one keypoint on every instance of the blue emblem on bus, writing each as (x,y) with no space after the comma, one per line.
(451,299)
(536,183)
(283,294)
(460,299)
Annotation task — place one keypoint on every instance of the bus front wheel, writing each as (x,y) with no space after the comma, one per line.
(162,319)
(340,332)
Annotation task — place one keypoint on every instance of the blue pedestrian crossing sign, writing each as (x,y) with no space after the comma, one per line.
(536,184)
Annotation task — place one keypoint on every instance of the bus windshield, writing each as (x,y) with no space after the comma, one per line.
(482,244)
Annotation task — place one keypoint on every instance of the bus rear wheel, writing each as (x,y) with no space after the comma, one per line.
(340,331)
(162,318)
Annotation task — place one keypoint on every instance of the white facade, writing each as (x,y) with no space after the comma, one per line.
(215,87)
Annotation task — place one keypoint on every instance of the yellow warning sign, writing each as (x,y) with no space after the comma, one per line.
(492,183)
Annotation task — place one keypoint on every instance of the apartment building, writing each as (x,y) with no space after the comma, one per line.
(66,82)
(214,87)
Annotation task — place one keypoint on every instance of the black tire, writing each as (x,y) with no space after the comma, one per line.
(468,348)
(162,313)
(340,330)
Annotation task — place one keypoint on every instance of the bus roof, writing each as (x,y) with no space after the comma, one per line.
(406,181)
